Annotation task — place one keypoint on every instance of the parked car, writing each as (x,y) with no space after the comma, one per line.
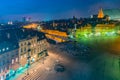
(59,68)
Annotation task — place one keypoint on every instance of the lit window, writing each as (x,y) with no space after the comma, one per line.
(7,48)
(12,61)
(3,49)
(34,45)
(16,59)
(21,57)
(25,55)
(31,45)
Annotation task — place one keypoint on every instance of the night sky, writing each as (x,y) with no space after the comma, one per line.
(52,9)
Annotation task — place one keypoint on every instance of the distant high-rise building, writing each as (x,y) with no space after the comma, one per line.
(74,19)
(26,19)
(100,13)
(10,22)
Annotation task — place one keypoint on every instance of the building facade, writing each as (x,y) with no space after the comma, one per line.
(32,49)
(18,48)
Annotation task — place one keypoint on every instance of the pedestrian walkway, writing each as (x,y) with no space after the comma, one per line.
(30,70)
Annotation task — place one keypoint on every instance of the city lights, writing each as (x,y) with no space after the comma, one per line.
(60,40)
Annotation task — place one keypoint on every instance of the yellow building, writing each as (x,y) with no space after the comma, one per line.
(56,35)
(18,48)
(32,47)
(102,28)
(29,26)
(84,31)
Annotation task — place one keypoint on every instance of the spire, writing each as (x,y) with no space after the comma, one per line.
(100,14)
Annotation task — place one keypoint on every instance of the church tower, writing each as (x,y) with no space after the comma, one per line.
(100,14)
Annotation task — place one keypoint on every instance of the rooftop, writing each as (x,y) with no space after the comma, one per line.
(9,38)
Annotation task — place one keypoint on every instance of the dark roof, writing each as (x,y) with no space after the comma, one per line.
(22,34)
(9,38)
(7,46)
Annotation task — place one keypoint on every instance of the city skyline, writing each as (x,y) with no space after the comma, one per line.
(54,9)
(60,40)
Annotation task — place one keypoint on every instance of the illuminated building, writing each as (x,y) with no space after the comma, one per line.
(9,56)
(31,26)
(104,28)
(10,23)
(54,24)
(84,31)
(101,30)
(26,19)
(100,17)
(32,46)
(101,14)
(18,48)
(55,35)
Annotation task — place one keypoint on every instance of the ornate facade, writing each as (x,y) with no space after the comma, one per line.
(18,48)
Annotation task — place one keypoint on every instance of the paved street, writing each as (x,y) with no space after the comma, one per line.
(99,66)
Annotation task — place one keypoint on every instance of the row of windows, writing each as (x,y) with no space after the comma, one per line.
(4,49)
(33,45)
(4,68)
(42,43)
(26,43)
(3,62)
(23,50)
(34,51)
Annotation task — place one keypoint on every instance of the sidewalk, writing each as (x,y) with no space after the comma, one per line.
(30,69)
(39,67)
